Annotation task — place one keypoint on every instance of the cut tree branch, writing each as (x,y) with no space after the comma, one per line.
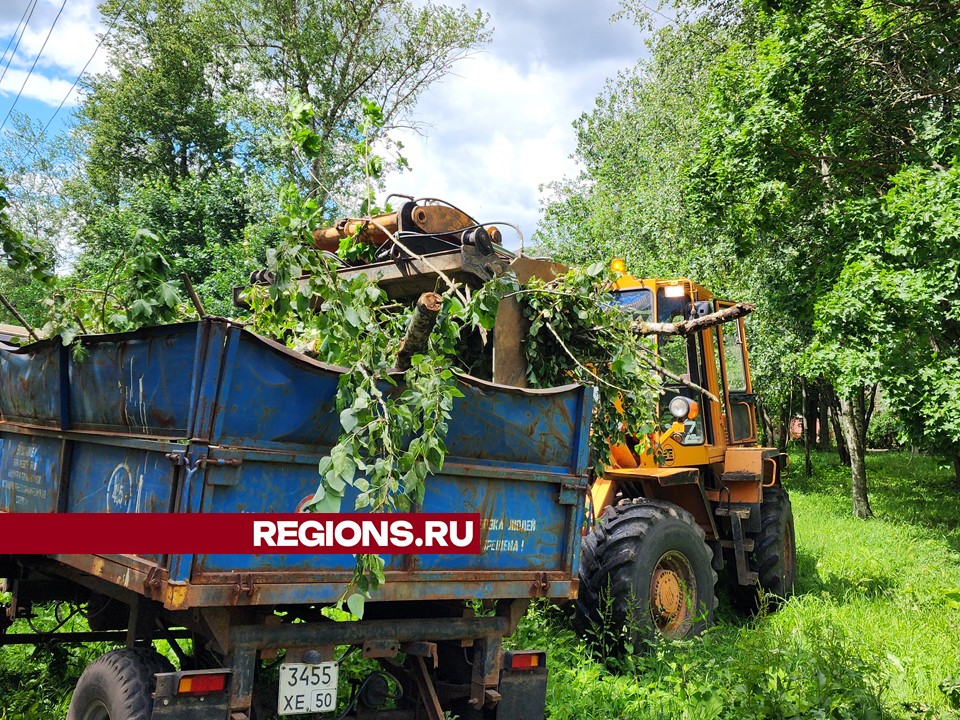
(685,327)
(651,360)
(419,328)
(13,311)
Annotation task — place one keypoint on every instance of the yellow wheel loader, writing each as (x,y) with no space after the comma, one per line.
(699,497)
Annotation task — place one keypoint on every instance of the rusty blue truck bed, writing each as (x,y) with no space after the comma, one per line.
(206,417)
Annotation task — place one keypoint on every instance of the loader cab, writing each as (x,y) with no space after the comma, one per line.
(714,359)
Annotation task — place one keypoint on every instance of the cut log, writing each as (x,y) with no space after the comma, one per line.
(419,328)
(685,327)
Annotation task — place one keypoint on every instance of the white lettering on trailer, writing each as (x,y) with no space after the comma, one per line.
(501,546)
(506,526)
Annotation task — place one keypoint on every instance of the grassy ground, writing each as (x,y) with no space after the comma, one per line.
(871,633)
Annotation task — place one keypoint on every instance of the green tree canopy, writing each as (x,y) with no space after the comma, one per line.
(155,112)
(334,53)
(799,154)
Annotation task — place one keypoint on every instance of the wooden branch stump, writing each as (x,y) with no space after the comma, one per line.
(419,328)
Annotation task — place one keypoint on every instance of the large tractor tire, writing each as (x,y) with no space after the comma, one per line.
(645,571)
(774,556)
(118,686)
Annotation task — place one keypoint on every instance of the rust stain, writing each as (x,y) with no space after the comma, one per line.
(176,596)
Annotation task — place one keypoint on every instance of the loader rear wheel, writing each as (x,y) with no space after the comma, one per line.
(774,556)
(645,571)
(118,686)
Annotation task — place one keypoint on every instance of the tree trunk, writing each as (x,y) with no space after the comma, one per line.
(852,420)
(769,435)
(805,415)
(810,408)
(824,413)
(842,451)
(956,467)
(783,431)
(785,424)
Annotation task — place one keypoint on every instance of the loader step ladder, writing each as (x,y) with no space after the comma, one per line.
(741,545)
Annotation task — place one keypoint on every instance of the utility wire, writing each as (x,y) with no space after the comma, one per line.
(35,61)
(31,7)
(46,127)
(16,31)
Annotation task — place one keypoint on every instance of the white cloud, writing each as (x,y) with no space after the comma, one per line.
(72,42)
(499,131)
(39,87)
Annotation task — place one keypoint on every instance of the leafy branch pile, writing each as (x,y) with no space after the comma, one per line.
(137,291)
(577,334)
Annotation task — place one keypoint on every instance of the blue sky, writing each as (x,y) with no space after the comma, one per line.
(495,130)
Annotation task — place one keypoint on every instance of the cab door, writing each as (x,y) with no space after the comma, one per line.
(737,388)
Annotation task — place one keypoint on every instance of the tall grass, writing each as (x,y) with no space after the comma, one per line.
(872,631)
(36,681)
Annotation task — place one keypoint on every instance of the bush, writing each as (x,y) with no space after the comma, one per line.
(884,430)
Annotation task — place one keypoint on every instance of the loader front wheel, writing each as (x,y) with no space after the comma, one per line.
(645,571)
(118,686)
(774,556)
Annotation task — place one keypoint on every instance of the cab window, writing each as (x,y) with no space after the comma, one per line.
(680,355)
(733,356)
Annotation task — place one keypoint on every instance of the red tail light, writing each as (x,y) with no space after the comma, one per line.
(525,659)
(202,684)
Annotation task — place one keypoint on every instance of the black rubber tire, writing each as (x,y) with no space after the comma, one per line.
(774,557)
(634,544)
(118,686)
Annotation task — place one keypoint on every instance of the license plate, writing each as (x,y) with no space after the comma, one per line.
(307,688)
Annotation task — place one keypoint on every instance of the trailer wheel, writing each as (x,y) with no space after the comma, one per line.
(774,556)
(118,686)
(645,571)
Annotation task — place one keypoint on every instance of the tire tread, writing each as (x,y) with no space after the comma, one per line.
(131,671)
(608,551)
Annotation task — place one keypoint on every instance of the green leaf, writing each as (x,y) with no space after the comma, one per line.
(168,294)
(328,503)
(141,309)
(348,420)
(355,603)
(352,316)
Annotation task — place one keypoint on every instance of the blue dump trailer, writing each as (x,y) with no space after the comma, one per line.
(206,417)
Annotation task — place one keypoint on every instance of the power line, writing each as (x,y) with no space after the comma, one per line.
(35,61)
(17,30)
(23,31)
(46,127)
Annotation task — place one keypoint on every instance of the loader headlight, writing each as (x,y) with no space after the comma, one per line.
(683,408)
